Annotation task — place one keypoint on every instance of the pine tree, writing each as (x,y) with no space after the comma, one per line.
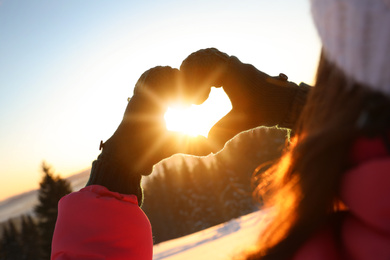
(2,254)
(11,248)
(30,239)
(52,189)
(185,198)
(157,204)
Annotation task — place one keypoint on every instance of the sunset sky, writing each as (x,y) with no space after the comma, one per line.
(68,67)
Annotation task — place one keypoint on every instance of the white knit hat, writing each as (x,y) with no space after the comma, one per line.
(356,36)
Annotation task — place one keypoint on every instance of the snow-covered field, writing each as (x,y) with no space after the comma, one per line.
(223,241)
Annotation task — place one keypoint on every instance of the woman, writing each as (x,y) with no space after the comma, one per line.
(330,191)
(339,143)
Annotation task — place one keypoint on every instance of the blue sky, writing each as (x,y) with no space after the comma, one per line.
(67,67)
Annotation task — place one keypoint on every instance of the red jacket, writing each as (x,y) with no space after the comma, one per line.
(96,223)
(365,231)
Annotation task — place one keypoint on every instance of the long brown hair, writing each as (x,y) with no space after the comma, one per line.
(303,186)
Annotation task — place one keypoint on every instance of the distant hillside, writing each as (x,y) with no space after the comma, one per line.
(187,194)
(25,202)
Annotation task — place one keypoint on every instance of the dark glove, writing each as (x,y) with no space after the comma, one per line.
(257,98)
(142,139)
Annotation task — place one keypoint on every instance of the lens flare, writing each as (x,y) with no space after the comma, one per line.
(199,119)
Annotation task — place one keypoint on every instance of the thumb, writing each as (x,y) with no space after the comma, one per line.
(235,122)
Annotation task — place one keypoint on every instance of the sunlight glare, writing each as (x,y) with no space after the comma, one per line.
(199,119)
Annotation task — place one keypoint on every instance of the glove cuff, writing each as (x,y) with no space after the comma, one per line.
(297,104)
(115,178)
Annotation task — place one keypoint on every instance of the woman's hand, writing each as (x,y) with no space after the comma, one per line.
(142,140)
(142,137)
(257,98)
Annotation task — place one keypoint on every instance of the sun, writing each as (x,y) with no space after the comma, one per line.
(199,119)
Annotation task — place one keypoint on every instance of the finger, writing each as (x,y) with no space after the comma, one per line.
(230,125)
(202,70)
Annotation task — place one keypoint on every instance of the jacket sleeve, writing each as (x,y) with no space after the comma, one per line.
(95,223)
(365,229)
(366,192)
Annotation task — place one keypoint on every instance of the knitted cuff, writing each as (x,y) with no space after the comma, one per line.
(115,178)
(297,104)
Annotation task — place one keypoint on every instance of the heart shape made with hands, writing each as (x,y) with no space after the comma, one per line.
(197,120)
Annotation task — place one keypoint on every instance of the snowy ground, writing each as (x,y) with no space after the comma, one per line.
(220,242)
